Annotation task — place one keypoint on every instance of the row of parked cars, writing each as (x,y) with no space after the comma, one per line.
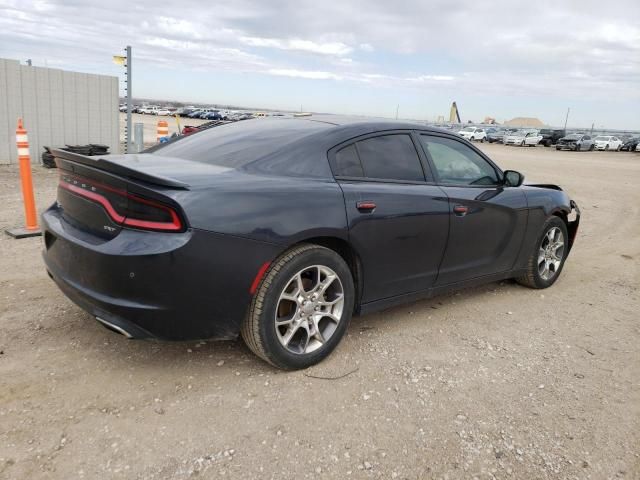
(190,112)
(529,137)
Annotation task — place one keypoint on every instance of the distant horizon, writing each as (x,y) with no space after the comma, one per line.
(180,103)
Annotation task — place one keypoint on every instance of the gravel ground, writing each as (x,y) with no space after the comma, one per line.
(493,382)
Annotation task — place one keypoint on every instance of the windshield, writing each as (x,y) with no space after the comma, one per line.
(574,136)
(468,129)
(600,137)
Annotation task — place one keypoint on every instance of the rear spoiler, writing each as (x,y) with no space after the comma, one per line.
(118,169)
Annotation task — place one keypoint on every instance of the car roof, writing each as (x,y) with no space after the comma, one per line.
(293,145)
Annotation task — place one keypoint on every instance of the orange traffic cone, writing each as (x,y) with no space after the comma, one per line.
(163,130)
(31,228)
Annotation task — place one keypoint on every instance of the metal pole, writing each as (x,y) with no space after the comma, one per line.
(566,118)
(129,100)
(139,137)
(397,108)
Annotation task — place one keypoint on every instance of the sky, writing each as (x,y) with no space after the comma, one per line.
(501,59)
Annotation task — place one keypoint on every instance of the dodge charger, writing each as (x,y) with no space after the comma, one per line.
(279,230)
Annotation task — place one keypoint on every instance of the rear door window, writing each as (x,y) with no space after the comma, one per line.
(348,162)
(390,157)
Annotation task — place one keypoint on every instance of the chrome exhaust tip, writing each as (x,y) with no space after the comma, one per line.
(115,328)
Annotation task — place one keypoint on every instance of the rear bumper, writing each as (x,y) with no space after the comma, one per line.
(172,286)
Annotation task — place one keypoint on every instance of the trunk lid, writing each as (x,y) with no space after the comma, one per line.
(99,197)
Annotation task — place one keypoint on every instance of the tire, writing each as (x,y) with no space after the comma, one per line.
(578,148)
(606,148)
(472,139)
(522,144)
(294,269)
(534,278)
(482,140)
(592,147)
(558,148)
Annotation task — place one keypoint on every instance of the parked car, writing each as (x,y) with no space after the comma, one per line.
(607,142)
(205,113)
(214,115)
(551,136)
(520,137)
(149,109)
(122,107)
(196,113)
(630,145)
(162,111)
(576,142)
(315,221)
(496,136)
(473,134)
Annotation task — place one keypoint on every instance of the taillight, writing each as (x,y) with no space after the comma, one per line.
(123,207)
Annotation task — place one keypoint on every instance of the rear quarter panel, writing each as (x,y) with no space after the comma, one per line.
(278,210)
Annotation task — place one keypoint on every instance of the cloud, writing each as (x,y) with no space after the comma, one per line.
(314,75)
(559,50)
(329,48)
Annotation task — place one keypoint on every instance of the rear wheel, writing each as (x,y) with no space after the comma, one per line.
(578,147)
(547,259)
(301,309)
(591,147)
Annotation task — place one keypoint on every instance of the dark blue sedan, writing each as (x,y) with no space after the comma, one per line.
(280,230)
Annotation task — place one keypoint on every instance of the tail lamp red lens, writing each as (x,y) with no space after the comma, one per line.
(123,207)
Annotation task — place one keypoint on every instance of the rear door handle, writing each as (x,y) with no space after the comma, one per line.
(460,210)
(366,207)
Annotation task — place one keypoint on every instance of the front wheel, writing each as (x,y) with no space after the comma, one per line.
(578,148)
(547,259)
(606,147)
(482,140)
(592,147)
(301,309)
(522,143)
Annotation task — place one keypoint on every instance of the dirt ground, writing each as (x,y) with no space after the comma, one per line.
(493,382)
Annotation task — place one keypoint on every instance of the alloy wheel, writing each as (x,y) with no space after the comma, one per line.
(551,253)
(309,309)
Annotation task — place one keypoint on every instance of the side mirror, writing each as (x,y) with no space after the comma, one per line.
(512,178)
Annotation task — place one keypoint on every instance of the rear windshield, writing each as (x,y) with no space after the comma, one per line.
(237,144)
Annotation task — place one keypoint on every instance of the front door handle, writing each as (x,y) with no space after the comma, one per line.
(460,210)
(366,207)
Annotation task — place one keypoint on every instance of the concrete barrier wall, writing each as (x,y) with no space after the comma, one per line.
(57,107)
